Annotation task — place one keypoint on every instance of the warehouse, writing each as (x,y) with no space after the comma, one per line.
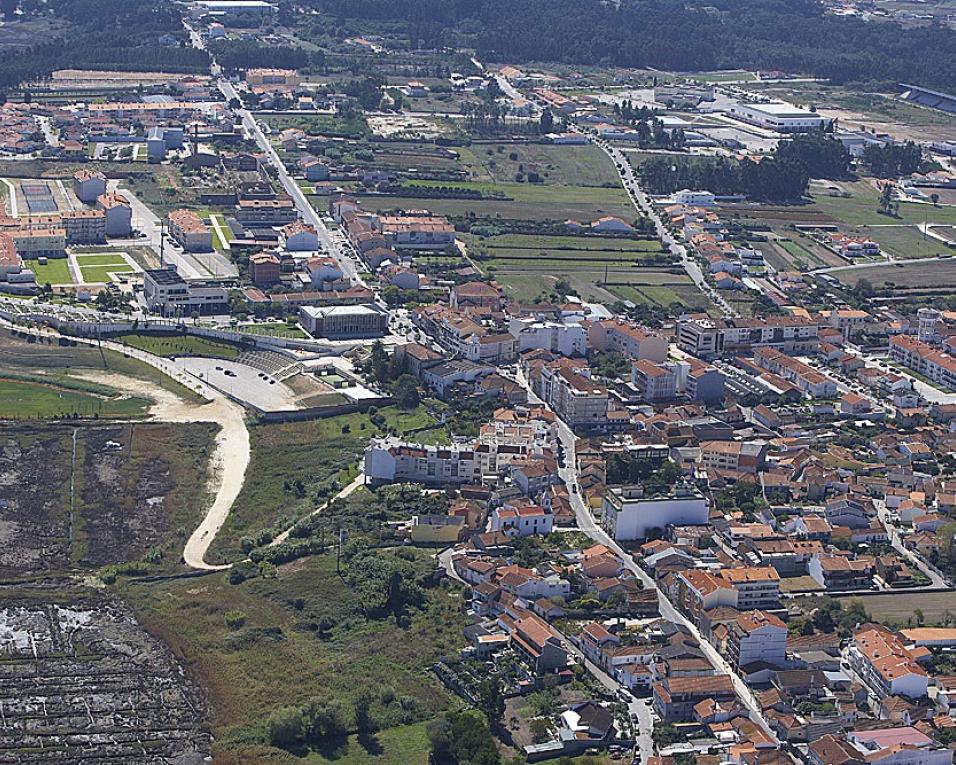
(780,117)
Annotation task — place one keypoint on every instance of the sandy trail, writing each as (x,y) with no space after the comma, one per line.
(231,454)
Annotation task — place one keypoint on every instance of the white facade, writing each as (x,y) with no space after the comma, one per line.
(628,516)
(694,198)
(767,643)
(779,116)
(566,339)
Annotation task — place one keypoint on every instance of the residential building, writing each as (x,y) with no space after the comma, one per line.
(655,382)
(924,359)
(189,231)
(523,521)
(298,237)
(757,636)
(630,340)
(118,213)
(88,185)
(757,587)
(264,269)
(574,397)
(884,663)
(675,697)
(707,338)
(626,513)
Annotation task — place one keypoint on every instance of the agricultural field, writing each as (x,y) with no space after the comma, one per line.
(242,639)
(932,275)
(566,165)
(522,200)
(87,496)
(532,252)
(897,608)
(180,345)
(295,466)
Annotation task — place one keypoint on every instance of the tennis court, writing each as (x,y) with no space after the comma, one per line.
(39,198)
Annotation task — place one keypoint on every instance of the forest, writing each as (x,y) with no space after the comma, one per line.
(682,35)
(120,35)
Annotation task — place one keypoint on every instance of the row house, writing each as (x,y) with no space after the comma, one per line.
(706,338)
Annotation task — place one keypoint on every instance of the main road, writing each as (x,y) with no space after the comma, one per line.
(302,204)
(587,524)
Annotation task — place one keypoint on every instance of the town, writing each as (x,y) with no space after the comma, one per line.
(370,394)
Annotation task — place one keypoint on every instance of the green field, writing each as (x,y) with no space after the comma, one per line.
(272,329)
(56,271)
(722,76)
(526,201)
(567,165)
(99,259)
(101,274)
(317,453)
(861,208)
(279,655)
(898,607)
(914,274)
(317,124)
(218,238)
(180,345)
(27,400)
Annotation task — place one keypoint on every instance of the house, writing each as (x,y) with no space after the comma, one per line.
(611,225)
(534,640)
(589,721)
(476,295)
(854,404)
(838,572)
(675,697)
(529,520)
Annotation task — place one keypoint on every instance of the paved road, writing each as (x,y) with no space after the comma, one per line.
(938,583)
(587,524)
(643,205)
(308,213)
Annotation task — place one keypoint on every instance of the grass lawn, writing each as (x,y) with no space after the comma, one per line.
(180,345)
(278,656)
(219,233)
(272,329)
(861,208)
(722,76)
(313,452)
(56,271)
(84,260)
(98,274)
(25,400)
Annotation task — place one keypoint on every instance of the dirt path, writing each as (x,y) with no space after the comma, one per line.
(228,461)
(230,457)
(359,480)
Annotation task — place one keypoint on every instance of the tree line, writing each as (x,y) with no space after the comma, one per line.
(681,35)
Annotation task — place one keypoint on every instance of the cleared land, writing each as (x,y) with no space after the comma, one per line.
(88,496)
(900,607)
(317,124)
(569,165)
(34,398)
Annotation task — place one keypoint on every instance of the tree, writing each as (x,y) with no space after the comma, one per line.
(490,699)
(285,727)
(546,123)
(362,708)
(405,392)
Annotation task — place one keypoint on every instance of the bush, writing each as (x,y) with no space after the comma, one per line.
(235,619)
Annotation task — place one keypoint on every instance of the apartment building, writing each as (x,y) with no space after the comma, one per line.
(298,237)
(736,456)
(416,231)
(39,242)
(628,513)
(393,461)
(84,226)
(266,212)
(924,359)
(464,337)
(631,341)
(840,573)
(884,663)
(118,213)
(813,383)
(265,76)
(706,338)
(574,397)
(757,636)
(757,587)
(88,185)
(189,231)
(567,339)
(344,322)
(655,382)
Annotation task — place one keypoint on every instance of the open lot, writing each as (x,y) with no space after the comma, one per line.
(180,345)
(33,397)
(54,271)
(899,607)
(568,165)
(316,453)
(317,124)
(246,668)
(935,274)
